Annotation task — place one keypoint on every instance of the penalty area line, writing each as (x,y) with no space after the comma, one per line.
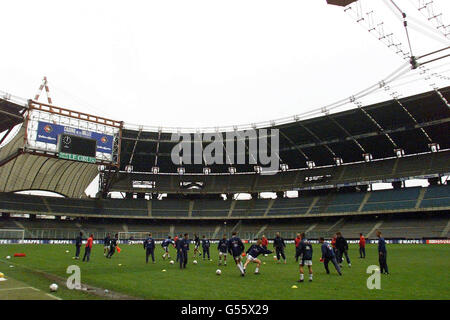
(18,288)
(47,294)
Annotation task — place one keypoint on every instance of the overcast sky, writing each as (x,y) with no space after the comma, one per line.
(204,63)
(200,62)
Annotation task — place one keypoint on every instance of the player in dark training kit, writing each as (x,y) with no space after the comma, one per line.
(279,245)
(252,255)
(149,247)
(297,240)
(205,247)
(306,253)
(183,250)
(342,248)
(177,245)
(235,248)
(78,243)
(112,246)
(106,243)
(328,255)
(223,249)
(382,253)
(165,244)
(196,245)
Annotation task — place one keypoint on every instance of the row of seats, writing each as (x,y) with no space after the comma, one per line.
(412,226)
(406,198)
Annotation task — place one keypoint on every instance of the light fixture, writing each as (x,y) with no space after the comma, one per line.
(338,161)
(206,171)
(155,170)
(257,169)
(129,168)
(284,167)
(232,170)
(434,147)
(367,157)
(181,170)
(399,153)
(310,164)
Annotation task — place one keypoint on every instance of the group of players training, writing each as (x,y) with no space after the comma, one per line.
(331,252)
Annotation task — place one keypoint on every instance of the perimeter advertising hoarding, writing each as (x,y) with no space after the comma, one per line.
(388,241)
(48,133)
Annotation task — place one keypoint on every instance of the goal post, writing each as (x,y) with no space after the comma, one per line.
(12,234)
(133,236)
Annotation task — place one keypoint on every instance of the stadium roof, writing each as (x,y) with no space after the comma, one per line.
(20,170)
(11,114)
(410,124)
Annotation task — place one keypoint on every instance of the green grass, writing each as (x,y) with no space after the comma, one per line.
(417,272)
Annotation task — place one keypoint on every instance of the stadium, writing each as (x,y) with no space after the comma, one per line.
(328,164)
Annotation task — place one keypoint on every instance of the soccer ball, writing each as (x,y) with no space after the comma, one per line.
(2,275)
(218,272)
(265,255)
(8,257)
(275,257)
(53,287)
(172,262)
(67,251)
(106,291)
(194,262)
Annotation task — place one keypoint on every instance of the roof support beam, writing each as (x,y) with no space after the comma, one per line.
(134,147)
(347,133)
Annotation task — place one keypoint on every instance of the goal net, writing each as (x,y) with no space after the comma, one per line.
(12,234)
(133,236)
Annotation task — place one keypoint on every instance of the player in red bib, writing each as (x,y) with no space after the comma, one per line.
(362,246)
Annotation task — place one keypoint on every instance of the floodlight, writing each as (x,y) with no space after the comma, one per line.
(338,161)
(399,153)
(434,147)
(310,164)
(367,157)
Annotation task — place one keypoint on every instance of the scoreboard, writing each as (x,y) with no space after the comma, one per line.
(77,148)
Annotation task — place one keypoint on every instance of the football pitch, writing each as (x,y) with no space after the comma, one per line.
(417,272)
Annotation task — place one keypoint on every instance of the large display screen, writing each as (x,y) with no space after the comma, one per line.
(77,145)
(49,132)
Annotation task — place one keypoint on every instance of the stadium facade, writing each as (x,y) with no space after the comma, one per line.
(331,160)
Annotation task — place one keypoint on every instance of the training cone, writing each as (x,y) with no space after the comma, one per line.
(294,287)
(118,249)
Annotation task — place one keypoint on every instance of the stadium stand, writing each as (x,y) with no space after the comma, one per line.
(436,198)
(333,196)
(406,226)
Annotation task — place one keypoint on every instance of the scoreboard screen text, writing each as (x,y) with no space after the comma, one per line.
(75,145)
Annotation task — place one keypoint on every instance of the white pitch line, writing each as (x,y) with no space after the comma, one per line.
(48,294)
(18,288)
